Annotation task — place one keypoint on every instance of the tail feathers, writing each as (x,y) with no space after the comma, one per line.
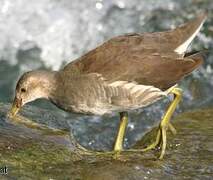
(187,32)
(197,59)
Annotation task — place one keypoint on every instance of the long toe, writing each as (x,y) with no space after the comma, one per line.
(151,146)
(163,141)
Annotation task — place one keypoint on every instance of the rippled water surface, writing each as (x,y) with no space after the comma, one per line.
(46,34)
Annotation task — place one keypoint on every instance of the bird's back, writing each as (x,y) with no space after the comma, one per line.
(155,59)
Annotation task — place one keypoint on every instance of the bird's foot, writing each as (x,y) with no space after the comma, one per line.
(92,153)
(165,124)
(82,151)
(160,140)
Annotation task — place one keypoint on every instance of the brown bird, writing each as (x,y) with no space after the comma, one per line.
(125,73)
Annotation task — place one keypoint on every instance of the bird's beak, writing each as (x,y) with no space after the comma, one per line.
(17,104)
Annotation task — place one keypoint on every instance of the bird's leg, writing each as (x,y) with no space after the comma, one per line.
(118,146)
(165,123)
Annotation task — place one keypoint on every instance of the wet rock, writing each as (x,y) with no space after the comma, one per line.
(30,153)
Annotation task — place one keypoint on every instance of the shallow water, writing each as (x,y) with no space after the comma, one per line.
(30,153)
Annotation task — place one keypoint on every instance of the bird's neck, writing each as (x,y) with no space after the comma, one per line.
(48,83)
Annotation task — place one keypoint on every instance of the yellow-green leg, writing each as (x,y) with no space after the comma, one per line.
(118,146)
(165,123)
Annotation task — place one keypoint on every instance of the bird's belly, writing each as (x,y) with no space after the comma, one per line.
(86,107)
(95,110)
(105,108)
(100,106)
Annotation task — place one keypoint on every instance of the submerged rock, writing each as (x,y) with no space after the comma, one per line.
(30,153)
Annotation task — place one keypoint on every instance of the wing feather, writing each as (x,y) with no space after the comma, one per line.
(132,95)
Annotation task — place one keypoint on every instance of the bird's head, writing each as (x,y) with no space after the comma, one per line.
(31,86)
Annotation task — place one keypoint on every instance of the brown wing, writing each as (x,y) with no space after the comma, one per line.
(156,70)
(167,43)
(148,58)
(164,72)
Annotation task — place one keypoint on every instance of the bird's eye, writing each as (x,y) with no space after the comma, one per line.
(23,90)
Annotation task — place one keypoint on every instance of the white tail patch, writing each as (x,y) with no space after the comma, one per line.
(183,47)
